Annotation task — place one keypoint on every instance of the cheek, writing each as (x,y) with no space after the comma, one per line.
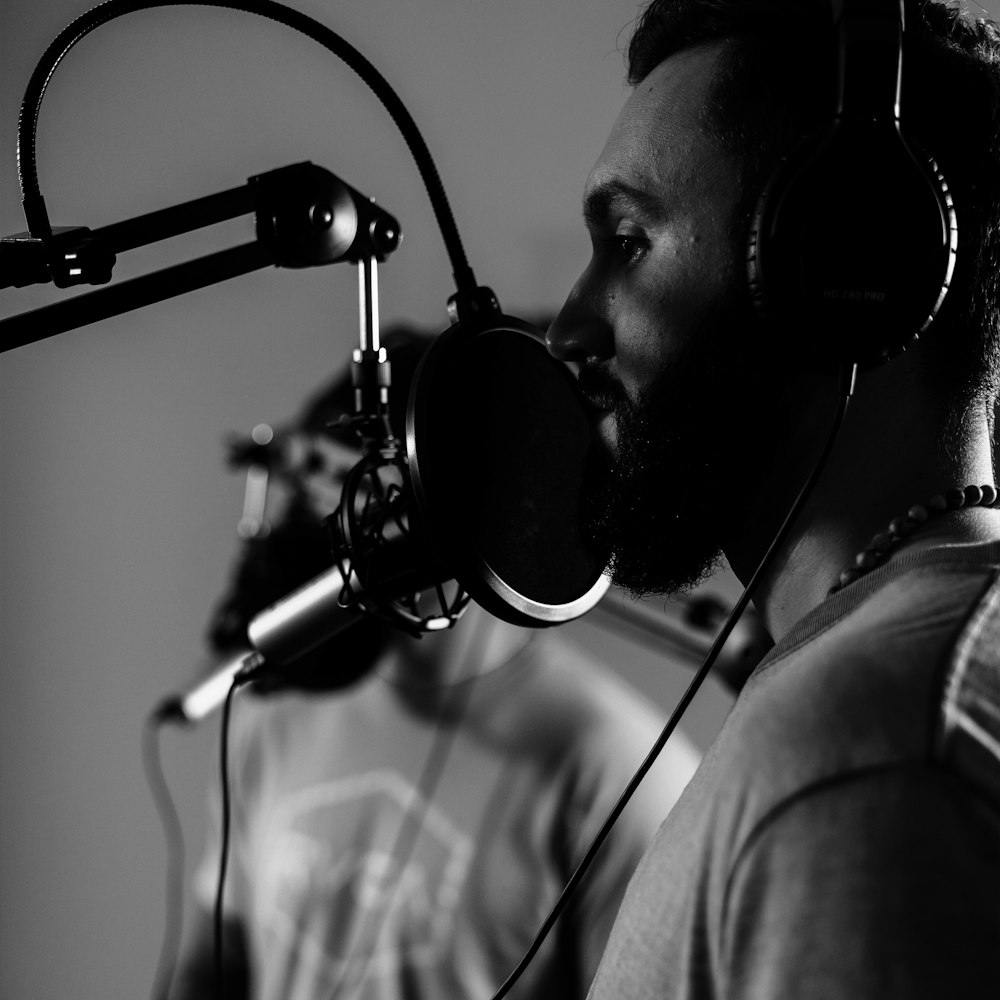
(654,321)
(707,270)
(644,347)
(687,283)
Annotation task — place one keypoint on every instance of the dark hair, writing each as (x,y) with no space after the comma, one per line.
(775,84)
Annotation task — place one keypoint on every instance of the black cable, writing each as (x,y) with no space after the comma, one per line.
(27,125)
(220,983)
(847,390)
(446,730)
(173,833)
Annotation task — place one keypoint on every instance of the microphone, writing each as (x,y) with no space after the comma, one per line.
(327,604)
(307,618)
(207,695)
(486,497)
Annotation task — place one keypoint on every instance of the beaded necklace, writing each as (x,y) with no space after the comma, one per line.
(902,527)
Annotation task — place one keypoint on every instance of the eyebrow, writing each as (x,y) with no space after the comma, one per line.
(600,200)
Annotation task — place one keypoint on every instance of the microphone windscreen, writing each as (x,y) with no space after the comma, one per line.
(497,440)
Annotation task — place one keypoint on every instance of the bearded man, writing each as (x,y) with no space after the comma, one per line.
(842,836)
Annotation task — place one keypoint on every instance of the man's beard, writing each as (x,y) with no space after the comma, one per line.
(661,506)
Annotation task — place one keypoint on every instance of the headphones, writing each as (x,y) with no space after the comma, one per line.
(854,238)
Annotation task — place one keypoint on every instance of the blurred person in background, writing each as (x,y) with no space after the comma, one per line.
(407,812)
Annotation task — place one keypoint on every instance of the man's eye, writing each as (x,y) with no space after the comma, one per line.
(629,249)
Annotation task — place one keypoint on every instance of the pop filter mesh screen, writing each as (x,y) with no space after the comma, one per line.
(507,437)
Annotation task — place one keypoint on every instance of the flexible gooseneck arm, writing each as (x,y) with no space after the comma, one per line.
(34,205)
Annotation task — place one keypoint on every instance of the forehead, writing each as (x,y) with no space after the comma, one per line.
(660,140)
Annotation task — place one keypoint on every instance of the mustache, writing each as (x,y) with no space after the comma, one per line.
(601,389)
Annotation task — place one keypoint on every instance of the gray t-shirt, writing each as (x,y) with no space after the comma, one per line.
(841,838)
(354,879)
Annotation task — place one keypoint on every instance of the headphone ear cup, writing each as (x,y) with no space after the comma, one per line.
(852,245)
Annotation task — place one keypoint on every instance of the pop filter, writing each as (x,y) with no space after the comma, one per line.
(497,436)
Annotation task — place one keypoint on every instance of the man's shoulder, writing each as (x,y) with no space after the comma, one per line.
(892,682)
(968,723)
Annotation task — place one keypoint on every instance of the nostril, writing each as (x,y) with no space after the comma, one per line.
(572,355)
(564,348)
(580,343)
(555,340)
(582,330)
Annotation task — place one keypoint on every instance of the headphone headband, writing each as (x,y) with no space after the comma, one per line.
(869,57)
(854,239)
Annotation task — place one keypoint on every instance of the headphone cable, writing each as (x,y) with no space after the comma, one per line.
(846,391)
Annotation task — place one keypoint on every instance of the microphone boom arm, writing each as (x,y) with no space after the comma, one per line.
(305,216)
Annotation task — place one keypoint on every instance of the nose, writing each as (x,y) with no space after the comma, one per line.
(582,330)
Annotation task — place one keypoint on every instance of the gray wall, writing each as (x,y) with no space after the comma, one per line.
(116,513)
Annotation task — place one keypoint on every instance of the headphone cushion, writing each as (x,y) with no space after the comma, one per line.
(852,245)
